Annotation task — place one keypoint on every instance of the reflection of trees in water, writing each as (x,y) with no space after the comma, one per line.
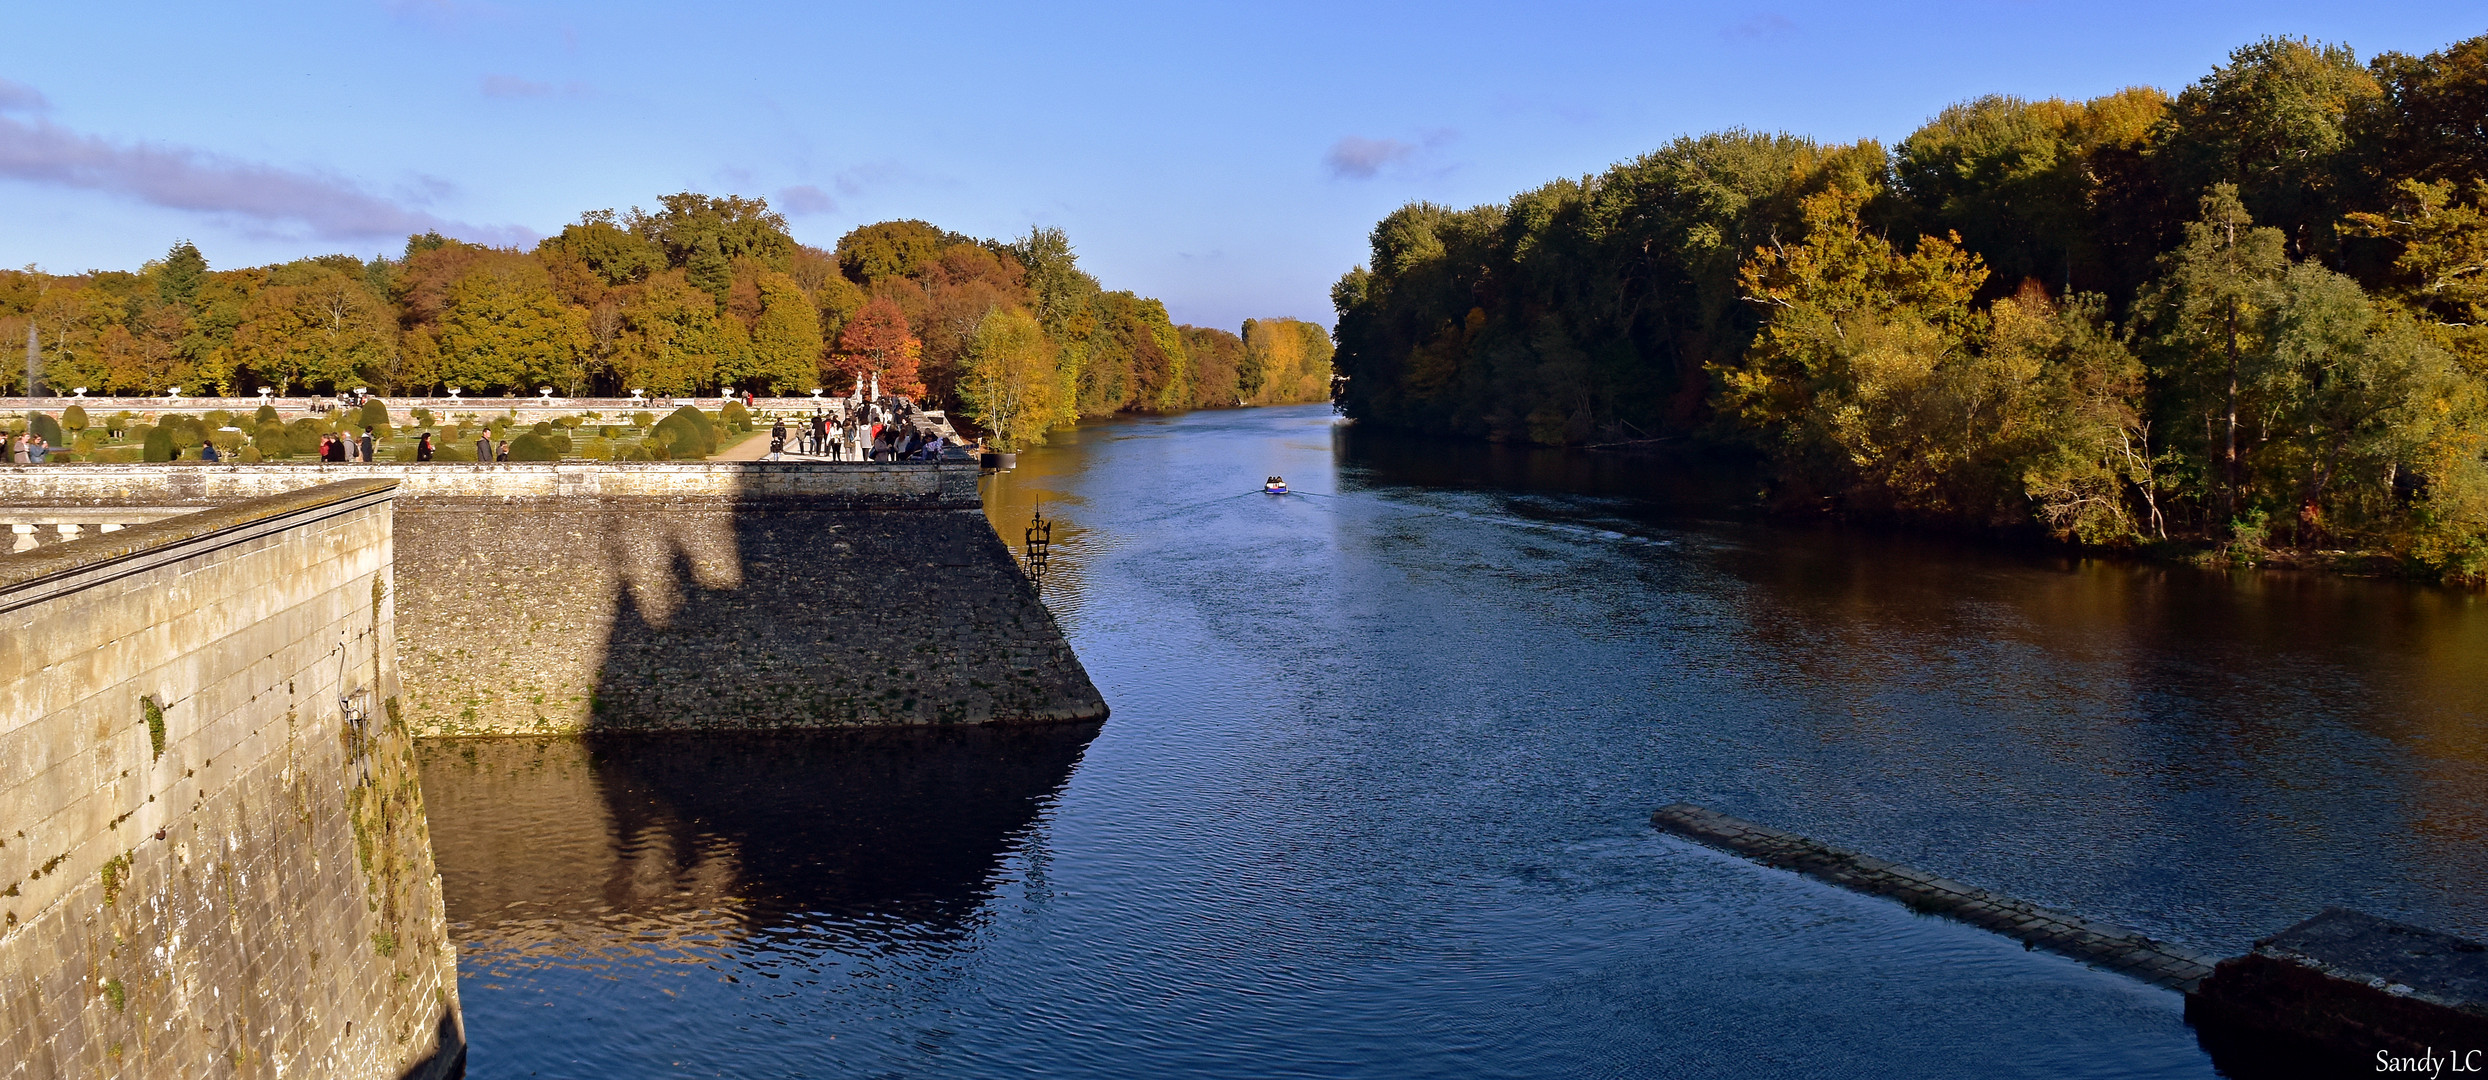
(655,844)
(1680,480)
(1045,478)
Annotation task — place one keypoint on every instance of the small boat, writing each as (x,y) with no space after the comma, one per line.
(1274,486)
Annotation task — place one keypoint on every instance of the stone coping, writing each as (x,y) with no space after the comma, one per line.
(477,405)
(2099,944)
(822,485)
(34,576)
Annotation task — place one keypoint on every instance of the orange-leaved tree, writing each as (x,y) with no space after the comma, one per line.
(876,341)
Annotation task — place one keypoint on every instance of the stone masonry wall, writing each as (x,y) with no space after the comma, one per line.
(555,598)
(208,866)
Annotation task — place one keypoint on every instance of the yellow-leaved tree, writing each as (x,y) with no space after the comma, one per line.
(1009,382)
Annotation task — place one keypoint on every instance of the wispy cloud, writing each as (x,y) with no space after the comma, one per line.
(511,86)
(1359,158)
(1763,27)
(263,197)
(805,199)
(19,97)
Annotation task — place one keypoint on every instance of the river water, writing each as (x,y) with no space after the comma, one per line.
(1374,800)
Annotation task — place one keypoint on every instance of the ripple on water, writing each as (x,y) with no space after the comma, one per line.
(1374,801)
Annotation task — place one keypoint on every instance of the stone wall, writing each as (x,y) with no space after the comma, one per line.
(215,861)
(556,598)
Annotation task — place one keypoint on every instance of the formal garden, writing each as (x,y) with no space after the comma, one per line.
(685,434)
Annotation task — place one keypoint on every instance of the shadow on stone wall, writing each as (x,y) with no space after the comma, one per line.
(769,616)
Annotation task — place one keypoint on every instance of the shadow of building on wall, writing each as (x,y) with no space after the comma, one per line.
(774,612)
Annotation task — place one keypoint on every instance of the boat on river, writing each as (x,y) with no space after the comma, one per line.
(1274,486)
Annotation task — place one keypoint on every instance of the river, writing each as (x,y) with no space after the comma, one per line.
(1374,800)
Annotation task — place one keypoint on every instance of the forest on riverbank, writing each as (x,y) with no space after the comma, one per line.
(702,293)
(2245,317)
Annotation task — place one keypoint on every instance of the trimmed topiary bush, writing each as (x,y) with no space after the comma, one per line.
(303,435)
(158,445)
(73,418)
(644,420)
(686,434)
(530,446)
(187,432)
(44,426)
(736,416)
(266,415)
(375,413)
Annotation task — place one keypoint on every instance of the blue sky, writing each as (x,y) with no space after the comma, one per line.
(1228,158)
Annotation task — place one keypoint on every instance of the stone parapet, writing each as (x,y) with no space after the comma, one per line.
(850,485)
(562,598)
(215,859)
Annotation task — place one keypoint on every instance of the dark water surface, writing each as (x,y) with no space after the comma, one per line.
(1375,797)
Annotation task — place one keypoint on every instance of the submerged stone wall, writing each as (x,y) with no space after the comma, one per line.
(215,861)
(558,598)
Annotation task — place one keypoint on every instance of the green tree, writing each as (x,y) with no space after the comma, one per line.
(888,249)
(2429,128)
(182,271)
(2357,398)
(313,327)
(672,338)
(703,235)
(503,329)
(2207,317)
(2276,123)
(785,350)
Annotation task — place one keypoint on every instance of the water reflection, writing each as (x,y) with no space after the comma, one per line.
(1375,800)
(591,878)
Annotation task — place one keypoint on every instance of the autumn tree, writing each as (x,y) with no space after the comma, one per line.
(672,337)
(1846,381)
(503,328)
(876,343)
(1008,381)
(784,350)
(313,326)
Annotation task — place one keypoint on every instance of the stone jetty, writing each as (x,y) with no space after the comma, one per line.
(2099,944)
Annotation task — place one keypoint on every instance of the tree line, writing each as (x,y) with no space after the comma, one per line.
(2246,316)
(702,293)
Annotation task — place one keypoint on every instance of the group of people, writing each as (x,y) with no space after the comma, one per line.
(338,448)
(867,434)
(27,448)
